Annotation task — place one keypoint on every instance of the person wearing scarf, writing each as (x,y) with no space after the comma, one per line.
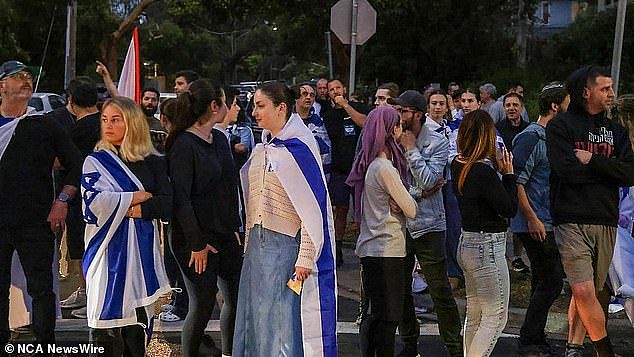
(125,190)
(379,181)
(290,240)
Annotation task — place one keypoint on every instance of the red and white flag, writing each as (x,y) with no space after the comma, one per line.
(130,79)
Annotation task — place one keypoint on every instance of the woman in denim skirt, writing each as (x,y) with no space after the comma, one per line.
(287,296)
(486,202)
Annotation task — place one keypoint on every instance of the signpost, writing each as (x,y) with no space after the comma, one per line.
(353,22)
(618,44)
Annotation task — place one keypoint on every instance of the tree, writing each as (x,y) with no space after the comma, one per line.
(109,46)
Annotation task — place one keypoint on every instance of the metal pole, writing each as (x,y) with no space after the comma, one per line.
(329,46)
(618,44)
(353,45)
(71,42)
(48,39)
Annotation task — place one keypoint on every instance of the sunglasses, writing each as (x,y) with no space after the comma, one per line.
(22,75)
(405,110)
(307,94)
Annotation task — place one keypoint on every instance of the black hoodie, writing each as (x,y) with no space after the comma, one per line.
(587,194)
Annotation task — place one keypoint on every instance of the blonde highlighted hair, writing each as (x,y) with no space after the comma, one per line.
(136,144)
(623,112)
(476,141)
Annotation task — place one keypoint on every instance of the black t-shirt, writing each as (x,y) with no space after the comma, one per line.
(26,182)
(205,183)
(62,117)
(485,203)
(343,134)
(508,131)
(86,132)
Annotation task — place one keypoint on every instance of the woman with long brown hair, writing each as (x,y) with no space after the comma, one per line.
(485,203)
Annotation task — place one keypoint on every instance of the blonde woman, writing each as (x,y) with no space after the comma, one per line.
(124,189)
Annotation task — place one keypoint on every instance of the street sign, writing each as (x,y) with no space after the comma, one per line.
(341,21)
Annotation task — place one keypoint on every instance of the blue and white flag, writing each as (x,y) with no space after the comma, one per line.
(122,264)
(7,128)
(295,154)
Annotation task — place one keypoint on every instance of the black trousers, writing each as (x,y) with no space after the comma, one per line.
(75,227)
(128,341)
(35,246)
(431,254)
(546,283)
(384,297)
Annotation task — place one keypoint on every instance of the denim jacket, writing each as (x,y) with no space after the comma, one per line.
(427,164)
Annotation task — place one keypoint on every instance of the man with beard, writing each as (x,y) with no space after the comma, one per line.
(29,145)
(533,224)
(322,100)
(590,158)
(427,151)
(343,123)
(149,103)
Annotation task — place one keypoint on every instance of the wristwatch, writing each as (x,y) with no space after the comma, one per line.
(63,196)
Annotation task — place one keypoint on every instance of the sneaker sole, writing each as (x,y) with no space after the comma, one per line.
(76,306)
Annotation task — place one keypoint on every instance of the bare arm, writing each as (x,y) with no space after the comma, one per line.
(107,80)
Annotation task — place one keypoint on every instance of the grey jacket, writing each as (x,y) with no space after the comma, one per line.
(427,164)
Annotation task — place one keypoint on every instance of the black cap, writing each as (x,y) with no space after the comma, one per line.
(10,68)
(410,98)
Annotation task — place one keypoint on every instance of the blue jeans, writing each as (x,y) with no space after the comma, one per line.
(481,256)
(268,320)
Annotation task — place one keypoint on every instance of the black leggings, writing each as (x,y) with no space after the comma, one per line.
(382,280)
(223,270)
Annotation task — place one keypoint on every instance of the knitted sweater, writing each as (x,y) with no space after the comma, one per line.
(270,207)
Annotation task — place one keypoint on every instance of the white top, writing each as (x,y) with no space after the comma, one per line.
(382,232)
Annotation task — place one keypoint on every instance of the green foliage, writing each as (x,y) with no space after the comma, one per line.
(590,40)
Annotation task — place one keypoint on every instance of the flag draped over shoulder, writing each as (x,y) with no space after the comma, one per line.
(122,263)
(130,79)
(7,128)
(295,154)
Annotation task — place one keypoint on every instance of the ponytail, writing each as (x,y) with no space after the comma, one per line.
(192,105)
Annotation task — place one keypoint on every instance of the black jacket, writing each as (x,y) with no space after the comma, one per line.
(588,194)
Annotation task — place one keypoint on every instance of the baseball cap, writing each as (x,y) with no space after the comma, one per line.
(10,68)
(410,98)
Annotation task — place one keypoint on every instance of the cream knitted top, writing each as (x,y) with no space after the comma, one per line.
(270,207)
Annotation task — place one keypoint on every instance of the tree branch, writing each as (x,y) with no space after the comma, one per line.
(128,22)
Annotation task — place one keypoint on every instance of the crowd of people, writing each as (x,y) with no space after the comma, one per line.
(185,204)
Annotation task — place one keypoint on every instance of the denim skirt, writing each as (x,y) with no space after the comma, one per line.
(268,318)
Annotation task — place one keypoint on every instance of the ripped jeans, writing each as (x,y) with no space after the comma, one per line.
(482,258)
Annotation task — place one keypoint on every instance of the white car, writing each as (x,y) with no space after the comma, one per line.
(46,102)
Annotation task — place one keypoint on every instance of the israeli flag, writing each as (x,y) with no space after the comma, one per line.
(122,263)
(295,154)
(7,128)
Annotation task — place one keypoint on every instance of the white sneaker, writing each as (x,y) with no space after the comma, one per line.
(80,313)
(167,307)
(76,300)
(168,316)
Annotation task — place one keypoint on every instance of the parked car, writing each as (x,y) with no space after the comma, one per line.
(46,102)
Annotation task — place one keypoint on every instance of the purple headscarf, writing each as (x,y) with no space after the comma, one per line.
(376,137)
